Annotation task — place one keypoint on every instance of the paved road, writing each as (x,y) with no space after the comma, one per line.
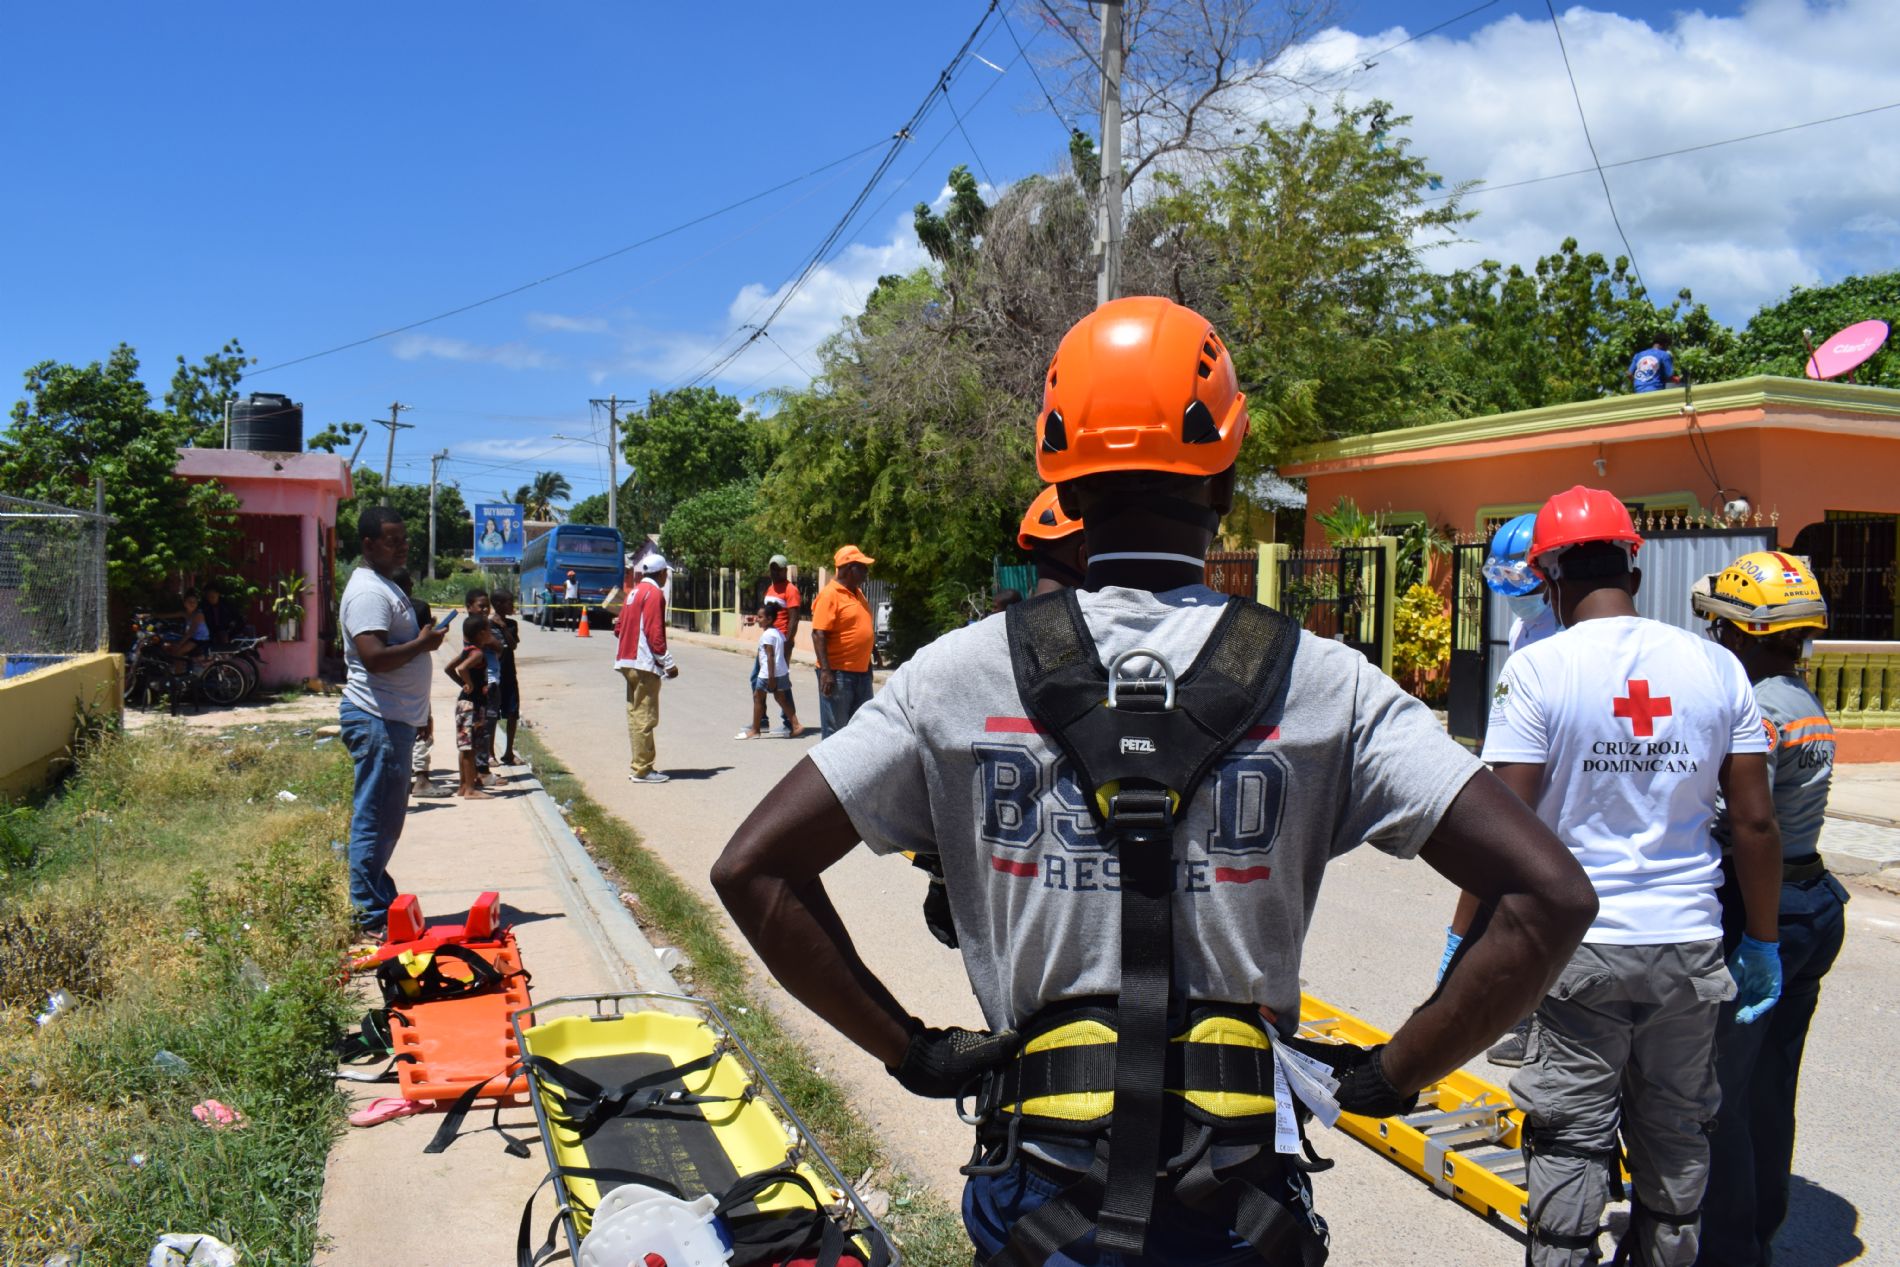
(1374,944)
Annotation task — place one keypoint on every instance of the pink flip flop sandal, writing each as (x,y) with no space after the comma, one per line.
(384,1109)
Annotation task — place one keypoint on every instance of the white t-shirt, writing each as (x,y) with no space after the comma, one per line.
(1631,720)
(1536,629)
(772,654)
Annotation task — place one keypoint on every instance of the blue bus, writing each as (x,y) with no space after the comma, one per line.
(593,552)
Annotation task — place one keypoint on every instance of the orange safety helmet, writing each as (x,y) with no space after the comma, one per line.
(1577,516)
(1140,384)
(1044,522)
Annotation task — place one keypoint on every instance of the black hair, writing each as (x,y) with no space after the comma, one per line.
(404,581)
(771,607)
(501,596)
(1595,561)
(370,524)
(468,600)
(1662,341)
(473,625)
(192,593)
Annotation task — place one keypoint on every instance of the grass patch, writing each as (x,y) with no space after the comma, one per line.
(189,911)
(928,1231)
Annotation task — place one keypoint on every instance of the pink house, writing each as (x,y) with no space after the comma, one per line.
(287,522)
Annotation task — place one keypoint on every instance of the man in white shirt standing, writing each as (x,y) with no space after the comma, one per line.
(1620,734)
(385,698)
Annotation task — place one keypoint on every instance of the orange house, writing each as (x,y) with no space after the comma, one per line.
(1820,461)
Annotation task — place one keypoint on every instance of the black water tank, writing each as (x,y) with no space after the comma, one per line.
(267,421)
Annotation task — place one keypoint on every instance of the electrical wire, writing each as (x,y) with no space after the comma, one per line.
(540,281)
(1577,96)
(1048,100)
(1687,149)
(1430,30)
(897,142)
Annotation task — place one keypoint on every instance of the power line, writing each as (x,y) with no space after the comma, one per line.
(1023,55)
(540,281)
(897,142)
(1430,30)
(1584,119)
(1687,149)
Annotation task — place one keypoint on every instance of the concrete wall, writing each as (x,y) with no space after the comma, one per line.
(39,710)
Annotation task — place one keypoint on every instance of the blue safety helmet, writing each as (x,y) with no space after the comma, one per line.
(1507,568)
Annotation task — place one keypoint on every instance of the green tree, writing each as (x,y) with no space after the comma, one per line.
(718,528)
(1563,330)
(199,393)
(75,423)
(454,526)
(540,499)
(1772,342)
(334,436)
(1306,250)
(691,441)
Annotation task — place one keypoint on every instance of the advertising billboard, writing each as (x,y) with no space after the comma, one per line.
(498,537)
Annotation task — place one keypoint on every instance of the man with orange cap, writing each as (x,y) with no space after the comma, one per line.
(1621,734)
(1054,542)
(843,632)
(1134,788)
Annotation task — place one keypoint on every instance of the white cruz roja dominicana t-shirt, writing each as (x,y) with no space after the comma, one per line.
(1631,719)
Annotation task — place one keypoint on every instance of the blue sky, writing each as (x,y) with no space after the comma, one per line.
(300,177)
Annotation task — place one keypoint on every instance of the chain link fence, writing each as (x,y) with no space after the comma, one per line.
(52,584)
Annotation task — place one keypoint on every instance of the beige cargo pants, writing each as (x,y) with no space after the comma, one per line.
(643,716)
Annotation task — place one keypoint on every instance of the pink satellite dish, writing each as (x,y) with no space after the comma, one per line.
(1847,349)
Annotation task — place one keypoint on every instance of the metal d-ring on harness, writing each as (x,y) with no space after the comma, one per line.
(1140,748)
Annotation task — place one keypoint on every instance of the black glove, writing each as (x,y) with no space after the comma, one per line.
(940,1064)
(1363,1087)
(937,915)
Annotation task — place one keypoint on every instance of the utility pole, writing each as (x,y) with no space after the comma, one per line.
(389,462)
(1108,222)
(613,458)
(435,464)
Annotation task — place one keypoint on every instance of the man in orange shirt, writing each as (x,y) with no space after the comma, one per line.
(842,631)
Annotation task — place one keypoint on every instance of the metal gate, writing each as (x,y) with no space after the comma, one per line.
(1854,559)
(1672,560)
(1233,571)
(1468,699)
(1341,592)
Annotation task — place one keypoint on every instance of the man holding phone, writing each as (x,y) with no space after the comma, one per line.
(385,698)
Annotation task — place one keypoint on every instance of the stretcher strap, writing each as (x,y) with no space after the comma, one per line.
(1078,1070)
(452,1120)
(586,1106)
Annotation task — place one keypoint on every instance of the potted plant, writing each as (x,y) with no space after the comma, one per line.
(286,605)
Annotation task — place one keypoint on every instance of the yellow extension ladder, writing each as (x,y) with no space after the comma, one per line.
(1464,1138)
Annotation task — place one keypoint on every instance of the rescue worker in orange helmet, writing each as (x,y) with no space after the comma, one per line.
(1124,925)
(1621,732)
(1053,541)
(1764,607)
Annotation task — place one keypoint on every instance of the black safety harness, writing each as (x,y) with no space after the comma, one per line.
(1140,748)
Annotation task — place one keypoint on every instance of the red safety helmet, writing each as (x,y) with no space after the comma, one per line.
(1575,517)
(1044,522)
(1140,384)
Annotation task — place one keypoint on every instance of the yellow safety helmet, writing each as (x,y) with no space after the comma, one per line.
(1762,593)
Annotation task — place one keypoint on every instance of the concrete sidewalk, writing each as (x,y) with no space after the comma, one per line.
(384,1200)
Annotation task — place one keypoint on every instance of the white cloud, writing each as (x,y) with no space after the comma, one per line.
(513,356)
(509,449)
(1738,224)
(833,292)
(564,324)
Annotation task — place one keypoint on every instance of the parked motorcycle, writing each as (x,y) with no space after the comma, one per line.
(152,675)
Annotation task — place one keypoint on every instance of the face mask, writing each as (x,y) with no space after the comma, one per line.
(1526,607)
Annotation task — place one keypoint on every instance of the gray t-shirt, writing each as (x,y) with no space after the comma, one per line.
(944,761)
(1800,763)
(371,603)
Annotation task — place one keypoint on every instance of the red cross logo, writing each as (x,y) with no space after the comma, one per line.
(1641,710)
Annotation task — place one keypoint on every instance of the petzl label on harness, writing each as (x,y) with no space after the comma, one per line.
(1310,1080)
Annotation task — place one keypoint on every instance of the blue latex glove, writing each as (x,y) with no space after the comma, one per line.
(1452,942)
(1756,967)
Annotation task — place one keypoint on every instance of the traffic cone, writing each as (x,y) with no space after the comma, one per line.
(583,631)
